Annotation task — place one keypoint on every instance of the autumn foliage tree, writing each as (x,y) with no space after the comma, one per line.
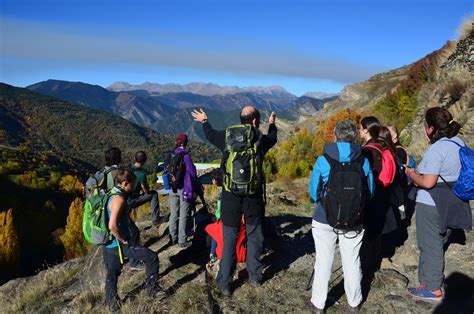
(70,184)
(73,239)
(10,244)
(296,156)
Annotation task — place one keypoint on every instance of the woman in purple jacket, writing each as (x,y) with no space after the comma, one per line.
(182,201)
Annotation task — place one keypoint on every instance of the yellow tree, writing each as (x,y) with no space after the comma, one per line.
(73,239)
(70,184)
(10,244)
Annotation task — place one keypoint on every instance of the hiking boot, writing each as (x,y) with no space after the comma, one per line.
(114,306)
(137,266)
(185,245)
(423,293)
(312,307)
(225,292)
(255,283)
(157,293)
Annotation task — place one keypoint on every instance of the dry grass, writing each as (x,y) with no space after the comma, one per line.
(466,27)
(42,295)
(455,88)
(288,268)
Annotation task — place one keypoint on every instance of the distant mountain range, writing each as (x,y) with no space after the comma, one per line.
(320,95)
(277,95)
(166,108)
(205,89)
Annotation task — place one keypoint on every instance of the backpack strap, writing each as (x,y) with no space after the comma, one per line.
(374,147)
(106,174)
(331,161)
(407,162)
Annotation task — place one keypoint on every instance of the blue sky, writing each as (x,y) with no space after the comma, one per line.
(300,45)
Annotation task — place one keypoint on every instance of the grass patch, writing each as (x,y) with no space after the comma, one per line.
(42,295)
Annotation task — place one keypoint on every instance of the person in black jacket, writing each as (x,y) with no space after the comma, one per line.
(232,206)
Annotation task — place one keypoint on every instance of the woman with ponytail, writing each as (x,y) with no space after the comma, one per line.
(122,244)
(438,210)
(381,224)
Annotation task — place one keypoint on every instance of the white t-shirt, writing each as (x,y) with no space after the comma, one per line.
(440,158)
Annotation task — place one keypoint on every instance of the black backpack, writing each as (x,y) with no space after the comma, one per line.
(176,169)
(345,194)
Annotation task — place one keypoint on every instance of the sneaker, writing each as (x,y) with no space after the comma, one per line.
(423,293)
(212,258)
(185,245)
(353,309)
(312,307)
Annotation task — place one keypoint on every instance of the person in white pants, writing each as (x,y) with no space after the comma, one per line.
(356,176)
(325,245)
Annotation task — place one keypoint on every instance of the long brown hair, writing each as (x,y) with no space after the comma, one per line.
(385,139)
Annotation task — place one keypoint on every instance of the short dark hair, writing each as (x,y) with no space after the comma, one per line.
(140,157)
(441,120)
(124,174)
(248,118)
(217,175)
(345,131)
(113,156)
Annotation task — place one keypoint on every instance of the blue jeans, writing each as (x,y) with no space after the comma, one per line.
(213,247)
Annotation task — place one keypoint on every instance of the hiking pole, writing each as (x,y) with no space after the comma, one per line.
(120,253)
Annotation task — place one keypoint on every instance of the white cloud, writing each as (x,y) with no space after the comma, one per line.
(22,39)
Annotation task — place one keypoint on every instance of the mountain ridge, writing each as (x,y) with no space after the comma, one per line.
(205,89)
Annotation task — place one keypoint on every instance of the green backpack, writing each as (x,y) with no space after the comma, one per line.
(95,220)
(242,162)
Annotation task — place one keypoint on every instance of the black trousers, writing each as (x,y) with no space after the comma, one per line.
(232,209)
(114,268)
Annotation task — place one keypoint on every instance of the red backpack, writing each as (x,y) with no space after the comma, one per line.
(389,167)
(215,231)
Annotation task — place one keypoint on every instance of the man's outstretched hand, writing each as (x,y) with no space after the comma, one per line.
(272,118)
(199,116)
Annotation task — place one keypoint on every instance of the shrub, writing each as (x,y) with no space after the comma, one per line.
(296,156)
(455,88)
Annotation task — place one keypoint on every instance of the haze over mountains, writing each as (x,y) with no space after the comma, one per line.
(205,89)
(166,108)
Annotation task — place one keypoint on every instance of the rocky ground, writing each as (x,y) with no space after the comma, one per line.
(76,286)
